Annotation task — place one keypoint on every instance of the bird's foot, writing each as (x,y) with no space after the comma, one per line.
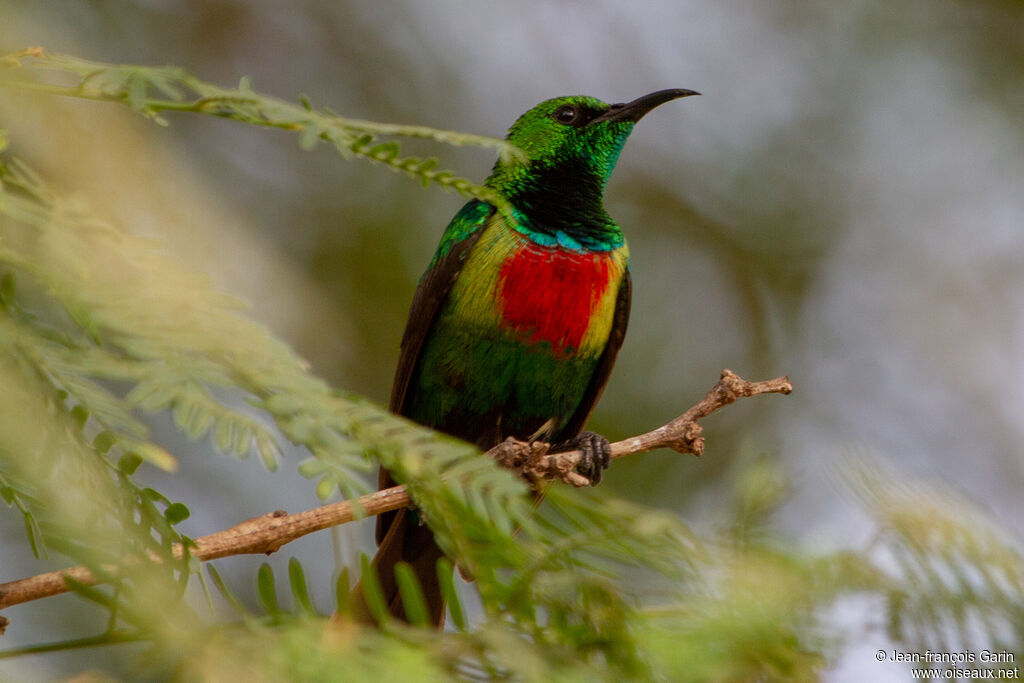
(597,454)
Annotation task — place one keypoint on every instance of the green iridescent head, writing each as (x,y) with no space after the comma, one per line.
(570,146)
(574,131)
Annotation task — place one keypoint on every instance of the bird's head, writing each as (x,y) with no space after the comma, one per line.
(574,135)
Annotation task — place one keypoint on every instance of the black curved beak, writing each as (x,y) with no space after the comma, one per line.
(635,110)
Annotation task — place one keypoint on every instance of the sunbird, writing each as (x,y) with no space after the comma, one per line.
(515,326)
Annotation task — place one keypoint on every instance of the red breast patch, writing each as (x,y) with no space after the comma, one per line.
(549,294)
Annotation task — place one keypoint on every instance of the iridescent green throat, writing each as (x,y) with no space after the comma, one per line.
(562,205)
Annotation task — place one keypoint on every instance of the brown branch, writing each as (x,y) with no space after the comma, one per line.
(260,535)
(683,434)
(267,533)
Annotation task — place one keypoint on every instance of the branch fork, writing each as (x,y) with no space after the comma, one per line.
(684,434)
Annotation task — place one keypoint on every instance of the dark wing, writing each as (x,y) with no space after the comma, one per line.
(460,236)
(604,366)
(462,233)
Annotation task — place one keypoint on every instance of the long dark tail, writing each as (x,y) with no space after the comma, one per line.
(404,539)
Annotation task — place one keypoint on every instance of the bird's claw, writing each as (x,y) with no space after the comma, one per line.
(597,454)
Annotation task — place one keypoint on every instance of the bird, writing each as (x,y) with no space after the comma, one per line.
(515,325)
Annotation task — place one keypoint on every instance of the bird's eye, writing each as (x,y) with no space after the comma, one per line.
(566,114)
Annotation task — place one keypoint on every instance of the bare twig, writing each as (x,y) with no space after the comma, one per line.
(683,434)
(267,533)
(260,535)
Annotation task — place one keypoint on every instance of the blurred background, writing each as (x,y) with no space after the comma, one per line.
(844,204)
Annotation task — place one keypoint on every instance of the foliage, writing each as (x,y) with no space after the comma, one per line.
(960,582)
(152,90)
(98,327)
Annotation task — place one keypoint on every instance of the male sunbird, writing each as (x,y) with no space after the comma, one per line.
(514,328)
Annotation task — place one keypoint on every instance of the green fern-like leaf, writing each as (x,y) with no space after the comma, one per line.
(153,90)
(960,583)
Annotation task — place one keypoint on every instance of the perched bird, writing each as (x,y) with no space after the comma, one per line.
(514,329)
